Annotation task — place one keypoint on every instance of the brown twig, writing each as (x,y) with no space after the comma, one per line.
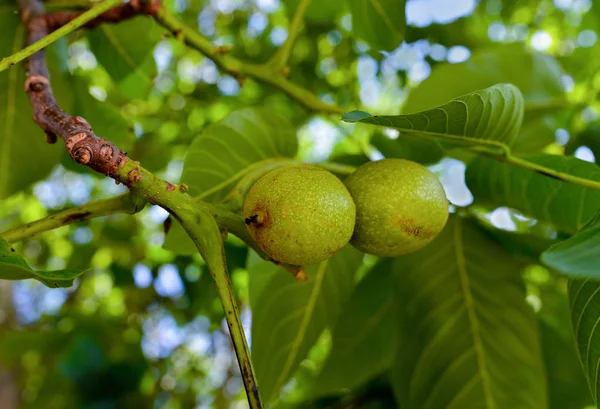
(125,11)
(82,144)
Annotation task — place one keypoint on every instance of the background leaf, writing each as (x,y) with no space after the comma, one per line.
(379,23)
(469,338)
(14,267)
(125,51)
(585,310)
(493,114)
(364,338)
(288,315)
(228,147)
(565,205)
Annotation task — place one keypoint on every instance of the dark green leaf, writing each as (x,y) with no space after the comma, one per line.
(585,309)
(380,23)
(14,267)
(493,114)
(567,386)
(577,256)
(367,322)
(565,205)
(227,149)
(470,339)
(407,147)
(288,316)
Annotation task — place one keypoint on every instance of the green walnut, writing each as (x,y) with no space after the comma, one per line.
(400,207)
(300,215)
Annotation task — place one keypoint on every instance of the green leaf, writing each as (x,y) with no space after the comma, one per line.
(567,206)
(470,339)
(125,51)
(493,114)
(14,267)
(368,321)
(225,150)
(585,310)
(25,157)
(577,256)
(288,316)
(537,75)
(380,23)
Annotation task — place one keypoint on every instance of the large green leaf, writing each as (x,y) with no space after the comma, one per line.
(493,114)
(288,316)
(577,256)
(565,205)
(25,157)
(538,77)
(317,11)
(380,23)
(125,51)
(469,338)
(369,320)
(584,298)
(226,150)
(14,267)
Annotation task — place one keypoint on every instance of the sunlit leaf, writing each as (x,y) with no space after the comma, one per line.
(565,205)
(14,267)
(493,114)
(538,76)
(231,146)
(288,316)
(469,339)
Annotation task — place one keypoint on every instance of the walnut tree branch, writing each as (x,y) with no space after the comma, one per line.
(125,11)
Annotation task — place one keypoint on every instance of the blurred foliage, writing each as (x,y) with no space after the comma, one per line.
(145,328)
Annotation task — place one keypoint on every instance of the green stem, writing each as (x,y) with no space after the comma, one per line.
(281,57)
(565,177)
(61,32)
(125,203)
(204,231)
(240,69)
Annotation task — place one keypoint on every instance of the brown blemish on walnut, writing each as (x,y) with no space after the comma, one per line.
(408,226)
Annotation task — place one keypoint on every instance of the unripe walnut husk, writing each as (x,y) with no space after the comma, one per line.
(300,215)
(400,207)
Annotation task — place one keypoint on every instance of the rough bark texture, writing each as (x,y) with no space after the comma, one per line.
(82,144)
